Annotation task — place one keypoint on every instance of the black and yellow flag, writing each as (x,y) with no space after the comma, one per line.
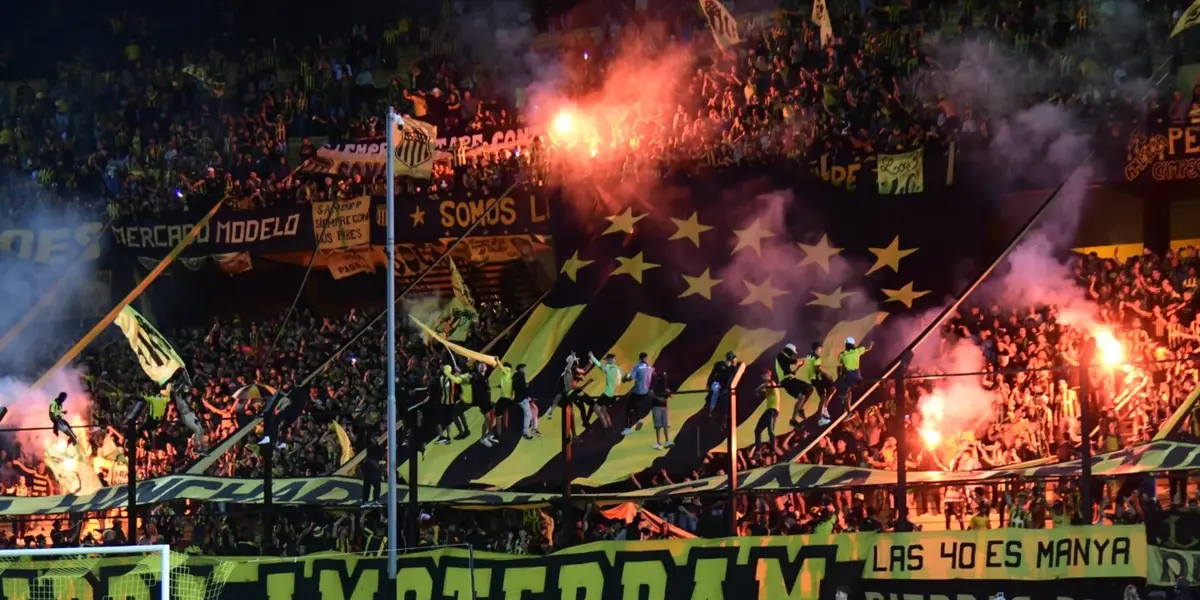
(460,314)
(1190,17)
(700,267)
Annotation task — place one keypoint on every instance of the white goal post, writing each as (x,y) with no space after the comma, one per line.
(121,571)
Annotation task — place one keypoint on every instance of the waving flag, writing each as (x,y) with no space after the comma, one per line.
(460,314)
(700,267)
(154,353)
(724,27)
(1190,17)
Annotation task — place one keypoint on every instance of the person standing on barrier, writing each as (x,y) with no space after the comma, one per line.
(505,403)
(720,379)
(849,376)
(58,418)
(641,376)
(814,375)
(612,377)
(520,390)
(481,397)
(566,384)
(660,394)
(371,472)
(768,394)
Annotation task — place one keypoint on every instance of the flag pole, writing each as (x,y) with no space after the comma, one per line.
(393,121)
(137,291)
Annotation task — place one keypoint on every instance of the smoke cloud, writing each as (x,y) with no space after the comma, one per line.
(1034,138)
(44,252)
(778,257)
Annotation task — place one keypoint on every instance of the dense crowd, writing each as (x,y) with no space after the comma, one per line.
(154,138)
(155,132)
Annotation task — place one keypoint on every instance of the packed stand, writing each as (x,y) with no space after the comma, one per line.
(156,133)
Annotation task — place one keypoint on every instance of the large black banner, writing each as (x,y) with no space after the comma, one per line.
(344,224)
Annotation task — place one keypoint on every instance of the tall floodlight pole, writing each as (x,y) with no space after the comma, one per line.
(393,121)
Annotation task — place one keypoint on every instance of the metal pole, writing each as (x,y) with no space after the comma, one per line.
(901,427)
(414,508)
(731,447)
(131,448)
(269,486)
(1085,413)
(392,463)
(567,416)
(471,568)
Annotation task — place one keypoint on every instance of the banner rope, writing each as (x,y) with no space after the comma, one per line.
(312,259)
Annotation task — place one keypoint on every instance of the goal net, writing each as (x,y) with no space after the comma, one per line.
(108,573)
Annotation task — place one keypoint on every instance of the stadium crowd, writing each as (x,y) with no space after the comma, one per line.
(154,138)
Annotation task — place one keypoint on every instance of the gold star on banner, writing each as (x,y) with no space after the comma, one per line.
(890,256)
(905,295)
(700,286)
(417,216)
(623,222)
(689,229)
(819,253)
(633,267)
(572,265)
(762,293)
(751,237)
(831,300)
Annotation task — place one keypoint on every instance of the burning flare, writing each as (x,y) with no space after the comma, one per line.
(933,410)
(1110,351)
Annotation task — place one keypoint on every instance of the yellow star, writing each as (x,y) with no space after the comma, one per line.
(889,256)
(762,293)
(701,285)
(820,253)
(633,267)
(831,300)
(751,237)
(689,229)
(417,216)
(905,295)
(623,222)
(572,265)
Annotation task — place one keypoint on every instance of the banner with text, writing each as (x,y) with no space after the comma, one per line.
(1073,563)
(1168,153)
(900,174)
(345,263)
(489,138)
(342,224)
(420,218)
(53,245)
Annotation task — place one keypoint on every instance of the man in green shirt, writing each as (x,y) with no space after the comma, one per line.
(848,364)
(612,378)
(58,417)
(158,410)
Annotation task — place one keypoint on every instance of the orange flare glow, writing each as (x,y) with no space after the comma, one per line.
(1111,353)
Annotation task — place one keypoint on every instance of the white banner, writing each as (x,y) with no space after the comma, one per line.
(820,16)
(349,262)
(342,224)
(154,352)
(724,27)
(414,148)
